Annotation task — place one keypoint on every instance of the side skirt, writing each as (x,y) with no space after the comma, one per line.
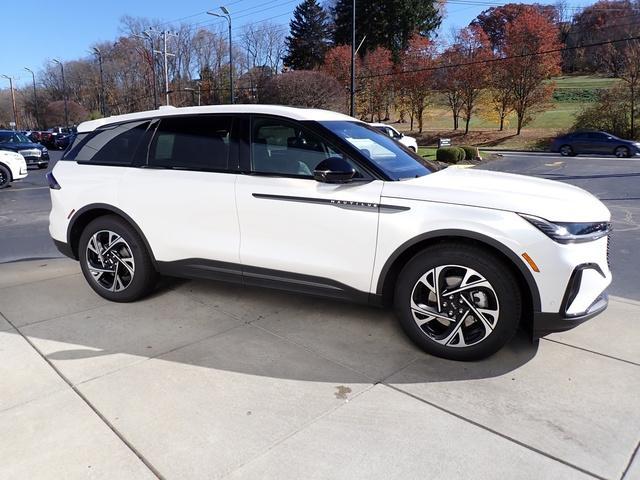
(267,278)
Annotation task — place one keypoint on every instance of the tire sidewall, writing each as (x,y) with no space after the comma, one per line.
(7,175)
(143,274)
(499,276)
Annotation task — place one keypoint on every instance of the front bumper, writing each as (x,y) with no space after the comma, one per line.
(574,309)
(64,248)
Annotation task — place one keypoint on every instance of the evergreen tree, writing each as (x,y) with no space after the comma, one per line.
(309,37)
(389,24)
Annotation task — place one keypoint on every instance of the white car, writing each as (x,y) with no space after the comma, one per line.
(406,140)
(317,202)
(12,167)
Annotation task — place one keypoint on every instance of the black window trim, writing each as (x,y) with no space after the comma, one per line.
(234,161)
(316,129)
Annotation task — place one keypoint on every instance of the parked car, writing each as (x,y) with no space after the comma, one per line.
(12,167)
(33,153)
(62,141)
(406,140)
(599,143)
(328,205)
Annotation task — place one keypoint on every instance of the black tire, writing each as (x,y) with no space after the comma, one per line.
(622,152)
(492,268)
(144,277)
(43,165)
(5,177)
(567,151)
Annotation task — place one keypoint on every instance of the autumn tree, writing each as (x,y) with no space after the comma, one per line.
(309,36)
(389,24)
(449,82)
(532,56)
(375,84)
(415,86)
(495,20)
(474,52)
(630,75)
(304,88)
(337,64)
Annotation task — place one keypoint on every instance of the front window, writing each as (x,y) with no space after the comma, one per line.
(392,158)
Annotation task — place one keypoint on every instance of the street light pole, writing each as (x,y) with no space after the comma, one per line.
(165,54)
(64,92)
(13,101)
(352,108)
(103,109)
(227,15)
(146,35)
(35,95)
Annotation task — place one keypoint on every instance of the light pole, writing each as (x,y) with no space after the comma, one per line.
(145,35)
(64,92)
(13,101)
(35,95)
(103,109)
(227,15)
(352,108)
(165,54)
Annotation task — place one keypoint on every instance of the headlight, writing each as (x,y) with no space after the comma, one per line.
(44,150)
(563,232)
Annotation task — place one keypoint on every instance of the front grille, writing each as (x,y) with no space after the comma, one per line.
(33,153)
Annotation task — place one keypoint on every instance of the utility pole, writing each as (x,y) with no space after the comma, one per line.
(227,15)
(35,95)
(145,35)
(165,55)
(64,92)
(103,109)
(352,108)
(13,101)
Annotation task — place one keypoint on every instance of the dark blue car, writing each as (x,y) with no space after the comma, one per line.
(33,153)
(595,143)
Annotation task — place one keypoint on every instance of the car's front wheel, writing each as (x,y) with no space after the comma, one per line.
(43,165)
(458,301)
(5,176)
(622,152)
(115,261)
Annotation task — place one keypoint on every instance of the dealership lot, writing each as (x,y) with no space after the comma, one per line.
(205,380)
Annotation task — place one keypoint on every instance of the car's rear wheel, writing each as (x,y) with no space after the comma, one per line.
(622,152)
(566,151)
(5,176)
(458,301)
(43,165)
(115,261)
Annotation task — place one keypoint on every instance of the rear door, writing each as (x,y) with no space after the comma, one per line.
(182,193)
(296,232)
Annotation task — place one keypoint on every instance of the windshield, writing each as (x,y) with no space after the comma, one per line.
(13,137)
(392,158)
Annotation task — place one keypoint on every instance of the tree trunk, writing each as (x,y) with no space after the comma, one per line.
(501,122)
(411,117)
(633,113)
(520,118)
(455,121)
(420,112)
(466,125)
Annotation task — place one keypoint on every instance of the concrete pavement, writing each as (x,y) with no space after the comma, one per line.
(204,380)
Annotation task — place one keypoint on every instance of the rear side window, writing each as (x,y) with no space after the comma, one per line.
(112,145)
(200,142)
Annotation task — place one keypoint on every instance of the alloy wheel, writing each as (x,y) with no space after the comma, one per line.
(455,306)
(110,261)
(3,178)
(622,152)
(566,150)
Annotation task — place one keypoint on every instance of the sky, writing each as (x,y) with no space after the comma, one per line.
(42,31)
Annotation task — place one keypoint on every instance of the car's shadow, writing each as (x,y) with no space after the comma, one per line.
(260,332)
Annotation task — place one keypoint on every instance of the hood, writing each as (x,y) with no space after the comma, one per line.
(14,147)
(549,199)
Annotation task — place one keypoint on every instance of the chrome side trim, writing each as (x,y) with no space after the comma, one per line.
(347,204)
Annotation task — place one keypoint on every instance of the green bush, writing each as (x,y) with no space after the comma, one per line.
(470,153)
(450,154)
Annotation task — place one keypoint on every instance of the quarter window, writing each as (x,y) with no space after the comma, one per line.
(285,148)
(193,143)
(113,145)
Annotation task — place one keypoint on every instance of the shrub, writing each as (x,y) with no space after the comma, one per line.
(450,154)
(471,153)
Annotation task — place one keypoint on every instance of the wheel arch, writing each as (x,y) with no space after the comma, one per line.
(88,213)
(399,258)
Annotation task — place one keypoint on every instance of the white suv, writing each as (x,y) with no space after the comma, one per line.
(12,167)
(410,142)
(318,202)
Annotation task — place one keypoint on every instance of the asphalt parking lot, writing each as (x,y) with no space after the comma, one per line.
(205,380)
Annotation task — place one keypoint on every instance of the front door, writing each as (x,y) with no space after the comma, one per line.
(295,231)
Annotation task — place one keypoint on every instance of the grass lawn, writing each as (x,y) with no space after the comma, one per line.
(427,152)
(584,82)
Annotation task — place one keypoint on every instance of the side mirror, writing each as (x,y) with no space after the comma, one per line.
(334,170)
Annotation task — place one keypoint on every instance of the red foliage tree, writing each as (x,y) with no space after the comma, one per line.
(529,63)
(374,84)
(337,64)
(416,85)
